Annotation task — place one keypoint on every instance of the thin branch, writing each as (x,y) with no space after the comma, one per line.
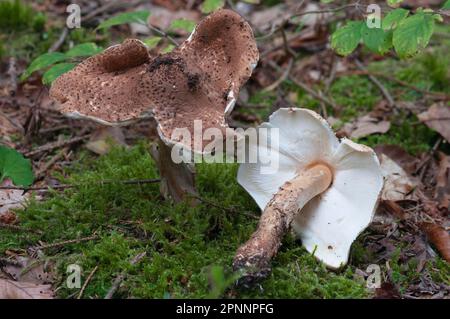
(375,81)
(58,144)
(66,186)
(88,279)
(306,88)
(118,280)
(163,34)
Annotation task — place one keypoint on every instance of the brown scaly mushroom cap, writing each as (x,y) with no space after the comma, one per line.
(199,80)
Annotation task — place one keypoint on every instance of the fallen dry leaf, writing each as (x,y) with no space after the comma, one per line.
(10,198)
(397,185)
(437,118)
(368,125)
(30,270)
(442,194)
(439,237)
(104,138)
(398,155)
(23,290)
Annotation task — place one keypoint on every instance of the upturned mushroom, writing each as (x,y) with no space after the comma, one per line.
(199,80)
(326,189)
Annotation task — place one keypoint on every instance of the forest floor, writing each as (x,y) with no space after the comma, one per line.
(165,250)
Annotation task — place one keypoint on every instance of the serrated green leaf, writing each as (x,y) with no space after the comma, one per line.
(393,18)
(376,39)
(446,5)
(413,34)
(55,71)
(43,61)
(394,3)
(14,166)
(209,6)
(183,24)
(152,42)
(82,50)
(344,40)
(127,17)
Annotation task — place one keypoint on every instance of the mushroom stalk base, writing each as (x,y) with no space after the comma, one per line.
(255,255)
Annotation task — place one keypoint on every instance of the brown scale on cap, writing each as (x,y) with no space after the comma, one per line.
(191,83)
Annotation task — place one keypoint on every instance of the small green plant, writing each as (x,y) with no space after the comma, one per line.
(406,32)
(56,62)
(209,6)
(14,166)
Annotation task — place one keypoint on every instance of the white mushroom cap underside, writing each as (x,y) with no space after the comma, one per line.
(330,222)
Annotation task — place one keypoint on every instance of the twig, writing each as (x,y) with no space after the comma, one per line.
(67,242)
(88,279)
(19,228)
(163,34)
(59,42)
(375,81)
(50,163)
(66,186)
(305,87)
(282,78)
(118,280)
(57,144)
(337,9)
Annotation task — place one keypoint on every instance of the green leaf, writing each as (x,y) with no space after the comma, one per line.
(127,17)
(413,34)
(344,40)
(394,3)
(14,166)
(168,48)
(446,5)
(43,61)
(376,39)
(183,24)
(85,49)
(152,42)
(55,71)
(209,6)
(393,18)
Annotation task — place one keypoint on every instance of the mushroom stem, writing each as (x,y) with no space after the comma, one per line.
(255,255)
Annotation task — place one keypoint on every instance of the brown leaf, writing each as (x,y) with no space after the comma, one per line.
(105,137)
(30,270)
(23,290)
(397,185)
(439,237)
(368,125)
(437,118)
(10,198)
(387,291)
(398,155)
(443,181)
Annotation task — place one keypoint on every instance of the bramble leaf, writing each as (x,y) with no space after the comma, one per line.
(376,39)
(413,34)
(344,40)
(393,18)
(14,166)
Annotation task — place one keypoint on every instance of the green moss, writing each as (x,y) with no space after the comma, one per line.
(183,245)
(14,15)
